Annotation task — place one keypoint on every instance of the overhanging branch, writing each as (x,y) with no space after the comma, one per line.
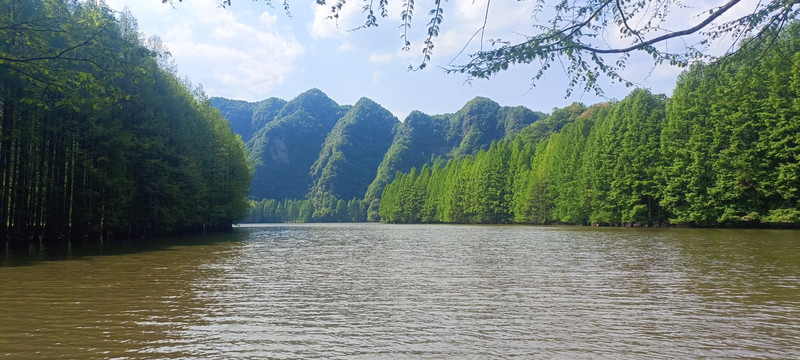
(661,38)
(59,54)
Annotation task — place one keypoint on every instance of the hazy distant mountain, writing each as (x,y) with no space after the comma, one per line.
(353,150)
(286,147)
(239,113)
(248,117)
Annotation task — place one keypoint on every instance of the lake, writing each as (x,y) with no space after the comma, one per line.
(411,291)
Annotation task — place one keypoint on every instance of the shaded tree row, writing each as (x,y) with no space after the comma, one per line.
(327,209)
(99,138)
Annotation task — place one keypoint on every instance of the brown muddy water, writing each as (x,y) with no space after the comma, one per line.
(411,291)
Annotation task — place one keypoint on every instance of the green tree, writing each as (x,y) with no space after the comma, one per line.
(739,152)
(568,179)
(491,188)
(99,139)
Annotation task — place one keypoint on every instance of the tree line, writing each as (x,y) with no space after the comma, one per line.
(723,150)
(98,136)
(317,209)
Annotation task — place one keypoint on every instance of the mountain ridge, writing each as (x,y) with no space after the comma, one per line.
(311,148)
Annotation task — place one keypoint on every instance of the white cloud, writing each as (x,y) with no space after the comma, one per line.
(376,77)
(233,54)
(381,58)
(248,73)
(267,20)
(346,46)
(470,10)
(465,25)
(224,33)
(323,27)
(461,21)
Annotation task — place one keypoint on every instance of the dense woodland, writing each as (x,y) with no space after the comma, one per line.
(723,150)
(99,138)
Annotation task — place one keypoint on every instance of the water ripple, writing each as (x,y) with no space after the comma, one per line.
(425,292)
(478,292)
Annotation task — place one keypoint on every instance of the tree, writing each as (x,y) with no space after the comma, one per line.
(567,176)
(99,139)
(573,34)
(730,142)
(491,188)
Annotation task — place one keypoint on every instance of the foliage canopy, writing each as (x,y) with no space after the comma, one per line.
(721,152)
(99,138)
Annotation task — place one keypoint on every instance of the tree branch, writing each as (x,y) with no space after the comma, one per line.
(661,38)
(60,53)
(625,21)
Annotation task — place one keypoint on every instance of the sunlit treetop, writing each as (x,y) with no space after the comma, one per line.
(571,34)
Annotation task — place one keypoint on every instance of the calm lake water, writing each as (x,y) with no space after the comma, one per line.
(412,291)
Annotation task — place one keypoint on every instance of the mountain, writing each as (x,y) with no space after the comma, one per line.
(482,121)
(313,150)
(352,151)
(248,117)
(420,138)
(284,150)
(264,112)
(239,113)
(423,138)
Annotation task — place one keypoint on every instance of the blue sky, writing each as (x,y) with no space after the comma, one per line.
(252,51)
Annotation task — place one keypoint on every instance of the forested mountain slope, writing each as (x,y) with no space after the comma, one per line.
(284,150)
(423,138)
(334,157)
(351,154)
(248,117)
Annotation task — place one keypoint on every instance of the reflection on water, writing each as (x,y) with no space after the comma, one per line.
(419,291)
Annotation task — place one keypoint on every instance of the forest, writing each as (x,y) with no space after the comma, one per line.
(721,151)
(99,138)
